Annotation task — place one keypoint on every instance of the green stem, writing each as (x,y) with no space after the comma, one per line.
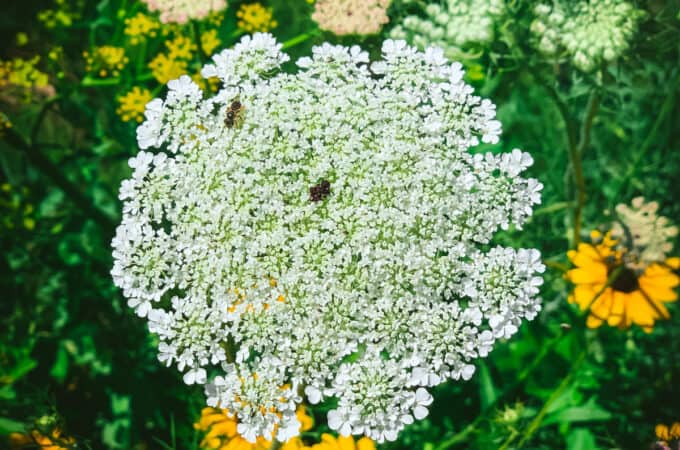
(299,39)
(96,82)
(576,156)
(538,420)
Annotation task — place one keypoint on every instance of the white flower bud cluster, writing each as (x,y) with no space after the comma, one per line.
(590,32)
(456,24)
(647,236)
(329,242)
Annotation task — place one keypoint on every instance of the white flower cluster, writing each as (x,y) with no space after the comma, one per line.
(590,31)
(647,236)
(456,24)
(329,241)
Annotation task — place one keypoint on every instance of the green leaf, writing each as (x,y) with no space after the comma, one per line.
(60,367)
(10,426)
(488,392)
(581,439)
(587,412)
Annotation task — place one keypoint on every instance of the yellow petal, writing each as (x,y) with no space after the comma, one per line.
(593,322)
(366,444)
(662,432)
(616,314)
(673,262)
(595,273)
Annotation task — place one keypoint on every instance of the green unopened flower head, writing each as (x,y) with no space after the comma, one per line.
(590,33)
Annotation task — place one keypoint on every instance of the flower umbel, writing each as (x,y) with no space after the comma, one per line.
(254,17)
(590,32)
(371,289)
(351,16)
(132,104)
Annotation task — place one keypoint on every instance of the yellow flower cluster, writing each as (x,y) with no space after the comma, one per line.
(181,47)
(221,434)
(22,73)
(616,293)
(165,69)
(131,105)
(254,17)
(141,26)
(106,60)
(62,16)
(168,66)
(210,41)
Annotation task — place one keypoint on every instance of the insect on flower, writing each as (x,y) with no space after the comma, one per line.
(320,191)
(234,116)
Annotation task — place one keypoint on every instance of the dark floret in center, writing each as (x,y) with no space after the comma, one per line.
(626,281)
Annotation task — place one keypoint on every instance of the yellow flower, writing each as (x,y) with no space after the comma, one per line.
(22,73)
(38,440)
(210,41)
(139,27)
(221,434)
(664,433)
(106,60)
(633,297)
(255,17)
(165,69)
(131,105)
(328,442)
(180,48)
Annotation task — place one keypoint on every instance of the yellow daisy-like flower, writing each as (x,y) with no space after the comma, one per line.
(131,105)
(180,48)
(632,297)
(329,442)
(106,60)
(165,69)
(666,433)
(254,17)
(210,41)
(139,27)
(221,434)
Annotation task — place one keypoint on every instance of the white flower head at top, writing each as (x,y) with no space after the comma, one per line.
(325,234)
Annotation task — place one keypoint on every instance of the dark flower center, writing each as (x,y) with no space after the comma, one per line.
(626,281)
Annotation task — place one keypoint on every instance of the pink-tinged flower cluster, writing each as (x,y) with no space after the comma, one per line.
(181,11)
(351,16)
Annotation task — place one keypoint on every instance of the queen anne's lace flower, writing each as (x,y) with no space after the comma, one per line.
(181,11)
(321,234)
(591,32)
(456,24)
(351,16)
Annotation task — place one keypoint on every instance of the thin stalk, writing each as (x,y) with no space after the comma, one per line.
(576,156)
(538,420)
(292,42)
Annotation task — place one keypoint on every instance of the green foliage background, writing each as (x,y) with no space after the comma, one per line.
(74,356)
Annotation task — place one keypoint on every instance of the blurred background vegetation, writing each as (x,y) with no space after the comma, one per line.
(76,365)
